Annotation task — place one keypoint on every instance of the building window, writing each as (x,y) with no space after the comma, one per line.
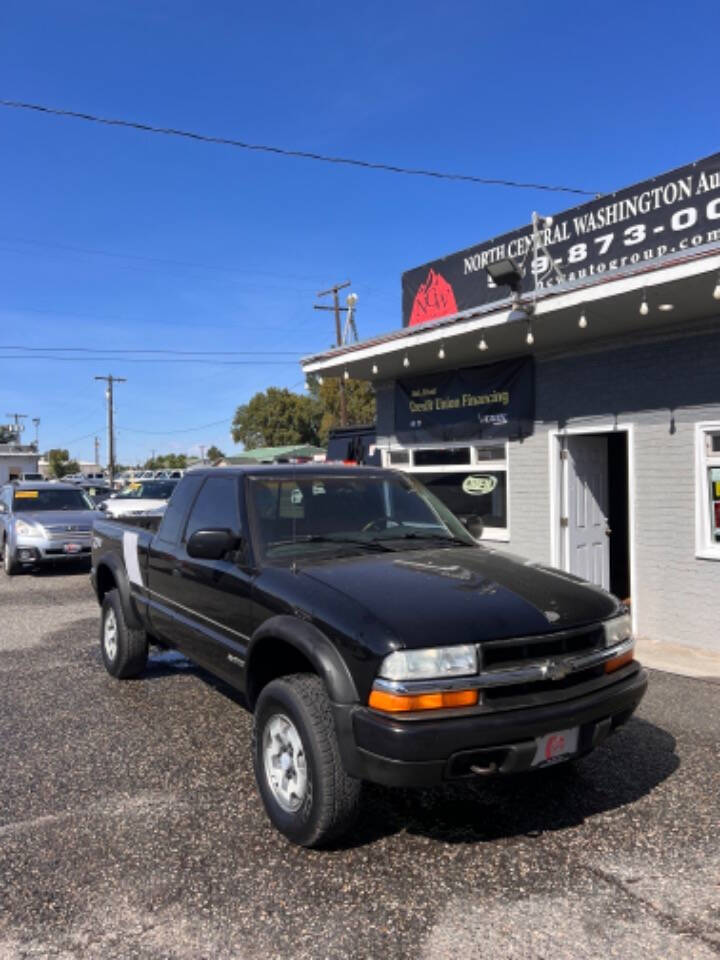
(707,487)
(470,480)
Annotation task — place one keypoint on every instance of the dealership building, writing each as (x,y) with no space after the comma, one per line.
(562,382)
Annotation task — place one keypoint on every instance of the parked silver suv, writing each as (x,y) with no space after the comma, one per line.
(43,522)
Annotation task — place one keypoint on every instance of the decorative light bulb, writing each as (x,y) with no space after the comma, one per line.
(406,361)
(644,308)
(320,380)
(441,352)
(716,291)
(374,368)
(582,322)
(529,339)
(346,375)
(483,344)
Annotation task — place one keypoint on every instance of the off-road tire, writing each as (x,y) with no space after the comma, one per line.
(332,797)
(129,656)
(9,564)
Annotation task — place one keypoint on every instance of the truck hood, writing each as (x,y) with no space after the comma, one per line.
(461,594)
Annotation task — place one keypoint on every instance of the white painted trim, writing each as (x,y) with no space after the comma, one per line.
(558,476)
(584,295)
(704,549)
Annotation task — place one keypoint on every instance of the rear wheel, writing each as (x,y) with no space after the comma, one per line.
(124,650)
(10,564)
(306,792)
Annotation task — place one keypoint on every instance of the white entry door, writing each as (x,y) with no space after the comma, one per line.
(588,532)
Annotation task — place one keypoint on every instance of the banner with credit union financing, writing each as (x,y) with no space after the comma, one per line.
(472,403)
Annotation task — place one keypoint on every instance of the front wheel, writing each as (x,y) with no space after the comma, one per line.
(124,650)
(10,564)
(306,792)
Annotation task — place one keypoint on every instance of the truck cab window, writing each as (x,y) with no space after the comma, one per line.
(177,509)
(217,506)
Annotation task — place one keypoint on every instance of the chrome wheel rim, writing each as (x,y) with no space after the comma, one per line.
(110,639)
(285,762)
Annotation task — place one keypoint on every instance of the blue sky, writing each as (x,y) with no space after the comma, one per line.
(115,239)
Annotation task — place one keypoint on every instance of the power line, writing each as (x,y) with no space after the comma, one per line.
(85,436)
(167,433)
(163,261)
(219,363)
(286,152)
(188,353)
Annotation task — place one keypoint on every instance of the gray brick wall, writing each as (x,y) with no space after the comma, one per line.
(663,389)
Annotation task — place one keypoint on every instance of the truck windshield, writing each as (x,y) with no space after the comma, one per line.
(29,501)
(311,513)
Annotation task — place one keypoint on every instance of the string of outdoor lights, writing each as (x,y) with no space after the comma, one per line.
(504,274)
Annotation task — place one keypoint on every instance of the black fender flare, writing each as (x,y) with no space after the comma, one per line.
(115,565)
(314,645)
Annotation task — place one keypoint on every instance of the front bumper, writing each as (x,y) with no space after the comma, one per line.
(397,752)
(30,551)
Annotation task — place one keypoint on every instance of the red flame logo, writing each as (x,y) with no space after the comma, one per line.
(435,298)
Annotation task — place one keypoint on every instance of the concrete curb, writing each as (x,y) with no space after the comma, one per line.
(677,658)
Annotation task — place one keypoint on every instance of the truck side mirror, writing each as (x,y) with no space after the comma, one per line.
(474,526)
(211,544)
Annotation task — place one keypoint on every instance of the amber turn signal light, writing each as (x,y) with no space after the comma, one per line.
(402,703)
(620,661)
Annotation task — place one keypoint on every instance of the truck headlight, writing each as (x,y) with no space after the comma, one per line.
(26,529)
(430,663)
(617,630)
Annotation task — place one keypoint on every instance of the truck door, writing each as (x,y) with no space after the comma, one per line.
(162,559)
(214,595)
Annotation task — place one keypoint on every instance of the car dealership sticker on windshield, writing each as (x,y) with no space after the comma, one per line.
(27,494)
(130,555)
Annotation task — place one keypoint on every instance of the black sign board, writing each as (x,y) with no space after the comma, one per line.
(676,212)
(495,400)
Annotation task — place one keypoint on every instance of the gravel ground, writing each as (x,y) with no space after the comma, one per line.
(130,827)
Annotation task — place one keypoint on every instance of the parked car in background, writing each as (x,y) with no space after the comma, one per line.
(96,491)
(138,497)
(32,476)
(41,522)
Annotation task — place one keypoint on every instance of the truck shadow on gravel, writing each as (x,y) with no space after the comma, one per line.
(628,767)
(63,568)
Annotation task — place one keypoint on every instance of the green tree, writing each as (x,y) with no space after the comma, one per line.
(166,461)
(214,453)
(60,463)
(359,403)
(277,417)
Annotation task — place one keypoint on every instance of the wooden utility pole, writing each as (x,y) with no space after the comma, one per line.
(19,425)
(110,380)
(337,310)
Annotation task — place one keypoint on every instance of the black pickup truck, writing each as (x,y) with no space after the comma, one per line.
(372,636)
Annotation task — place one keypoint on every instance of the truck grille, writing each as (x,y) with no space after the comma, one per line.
(514,652)
(518,652)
